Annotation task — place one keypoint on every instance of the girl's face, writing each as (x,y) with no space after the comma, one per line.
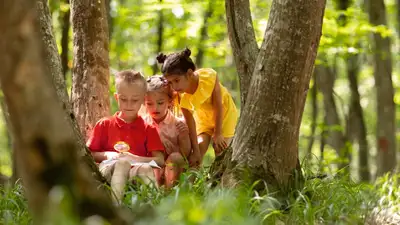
(157,104)
(180,83)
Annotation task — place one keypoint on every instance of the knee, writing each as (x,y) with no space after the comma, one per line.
(146,170)
(122,164)
(175,158)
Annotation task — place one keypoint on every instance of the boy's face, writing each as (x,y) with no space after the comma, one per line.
(129,98)
(180,83)
(157,103)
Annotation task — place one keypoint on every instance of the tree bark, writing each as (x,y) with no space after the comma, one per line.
(65,41)
(203,34)
(47,150)
(160,31)
(243,41)
(335,138)
(266,143)
(358,117)
(386,130)
(53,63)
(90,76)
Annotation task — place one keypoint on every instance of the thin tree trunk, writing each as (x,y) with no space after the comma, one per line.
(10,140)
(110,19)
(47,151)
(53,63)
(160,31)
(266,142)
(243,41)
(90,76)
(352,73)
(336,138)
(355,124)
(203,34)
(386,130)
(314,115)
(64,41)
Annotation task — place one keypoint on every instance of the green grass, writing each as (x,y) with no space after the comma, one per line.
(321,201)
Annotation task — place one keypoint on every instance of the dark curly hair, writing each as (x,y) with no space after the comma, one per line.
(176,63)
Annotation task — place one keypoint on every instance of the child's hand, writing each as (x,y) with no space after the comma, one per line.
(111,155)
(182,127)
(128,156)
(194,159)
(219,143)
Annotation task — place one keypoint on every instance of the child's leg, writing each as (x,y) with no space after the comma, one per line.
(106,171)
(119,179)
(144,172)
(173,168)
(204,141)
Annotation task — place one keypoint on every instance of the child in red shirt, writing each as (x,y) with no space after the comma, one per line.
(126,138)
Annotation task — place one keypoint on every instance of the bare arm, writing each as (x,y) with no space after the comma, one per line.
(157,156)
(217,106)
(192,130)
(101,156)
(184,139)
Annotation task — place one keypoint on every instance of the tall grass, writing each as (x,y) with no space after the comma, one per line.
(321,201)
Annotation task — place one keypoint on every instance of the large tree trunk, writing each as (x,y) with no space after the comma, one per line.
(203,34)
(90,77)
(325,79)
(386,139)
(47,151)
(266,141)
(53,63)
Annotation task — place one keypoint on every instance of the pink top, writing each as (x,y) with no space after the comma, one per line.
(168,132)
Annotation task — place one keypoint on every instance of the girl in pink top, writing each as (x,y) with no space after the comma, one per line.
(174,133)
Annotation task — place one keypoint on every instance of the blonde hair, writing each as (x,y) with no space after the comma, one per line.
(129,77)
(159,83)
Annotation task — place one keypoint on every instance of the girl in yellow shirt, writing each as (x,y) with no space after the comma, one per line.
(207,106)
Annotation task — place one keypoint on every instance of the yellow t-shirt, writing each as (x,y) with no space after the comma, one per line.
(200,103)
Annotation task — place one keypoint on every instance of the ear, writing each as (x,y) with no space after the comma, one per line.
(116,97)
(189,72)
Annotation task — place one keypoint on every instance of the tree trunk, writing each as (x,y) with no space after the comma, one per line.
(358,118)
(355,124)
(160,31)
(54,67)
(110,19)
(47,151)
(65,41)
(336,138)
(266,143)
(386,139)
(90,76)
(203,34)
(243,41)
(314,107)
(10,140)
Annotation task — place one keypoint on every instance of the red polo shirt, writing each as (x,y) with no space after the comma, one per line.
(141,137)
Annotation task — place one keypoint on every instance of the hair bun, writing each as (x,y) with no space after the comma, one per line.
(186,52)
(161,57)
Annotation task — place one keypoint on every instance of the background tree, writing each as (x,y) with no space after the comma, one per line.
(90,77)
(385,107)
